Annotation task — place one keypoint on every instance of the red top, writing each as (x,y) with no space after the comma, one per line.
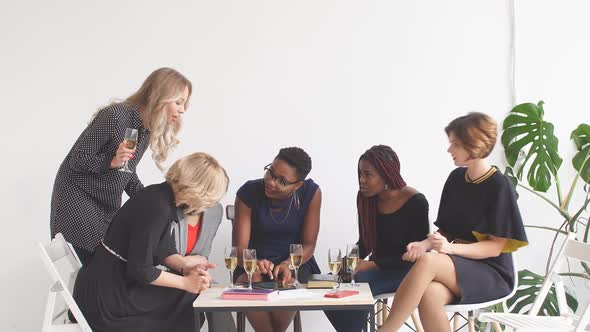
(192,236)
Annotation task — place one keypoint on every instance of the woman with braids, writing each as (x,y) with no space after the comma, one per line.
(88,186)
(479,226)
(271,213)
(391,215)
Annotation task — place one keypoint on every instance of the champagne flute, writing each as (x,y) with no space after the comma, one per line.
(250,264)
(231,261)
(130,142)
(296,252)
(352,260)
(334,262)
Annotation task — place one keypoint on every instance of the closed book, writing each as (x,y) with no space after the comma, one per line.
(249,294)
(321,281)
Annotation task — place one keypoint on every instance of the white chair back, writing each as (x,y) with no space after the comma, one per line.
(62,265)
(571,248)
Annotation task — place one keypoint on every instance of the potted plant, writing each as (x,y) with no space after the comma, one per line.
(532,153)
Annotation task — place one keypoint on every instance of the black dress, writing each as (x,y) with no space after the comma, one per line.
(115,295)
(395,231)
(472,210)
(87,192)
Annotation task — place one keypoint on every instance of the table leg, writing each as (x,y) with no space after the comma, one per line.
(372,319)
(197,321)
(241,318)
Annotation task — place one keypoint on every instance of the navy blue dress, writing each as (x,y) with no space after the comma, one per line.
(277,224)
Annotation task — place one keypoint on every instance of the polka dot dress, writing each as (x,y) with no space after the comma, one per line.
(87,192)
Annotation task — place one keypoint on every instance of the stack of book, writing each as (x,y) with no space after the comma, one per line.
(321,281)
(249,294)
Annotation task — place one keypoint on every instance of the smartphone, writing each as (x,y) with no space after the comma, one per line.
(341,293)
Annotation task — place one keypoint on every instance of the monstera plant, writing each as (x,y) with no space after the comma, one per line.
(531,148)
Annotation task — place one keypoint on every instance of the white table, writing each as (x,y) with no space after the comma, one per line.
(211,301)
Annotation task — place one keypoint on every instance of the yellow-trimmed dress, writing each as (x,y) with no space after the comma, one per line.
(471,210)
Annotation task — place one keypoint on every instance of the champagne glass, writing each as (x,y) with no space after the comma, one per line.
(130,142)
(334,262)
(352,260)
(250,264)
(296,252)
(231,261)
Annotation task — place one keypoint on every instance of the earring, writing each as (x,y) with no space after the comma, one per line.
(386,187)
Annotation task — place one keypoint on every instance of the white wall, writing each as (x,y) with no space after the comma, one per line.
(333,77)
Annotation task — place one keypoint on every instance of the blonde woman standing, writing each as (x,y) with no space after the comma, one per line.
(88,187)
(121,288)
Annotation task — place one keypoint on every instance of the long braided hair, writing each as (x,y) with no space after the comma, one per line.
(386,162)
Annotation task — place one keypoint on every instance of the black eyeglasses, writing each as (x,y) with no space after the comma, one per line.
(279,179)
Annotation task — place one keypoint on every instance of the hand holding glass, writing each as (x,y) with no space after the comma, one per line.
(250,264)
(130,142)
(352,259)
(296,252)
(231,261)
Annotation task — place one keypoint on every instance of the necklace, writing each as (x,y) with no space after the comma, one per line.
(286,216)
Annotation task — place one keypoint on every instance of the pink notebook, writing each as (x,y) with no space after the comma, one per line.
(249,294)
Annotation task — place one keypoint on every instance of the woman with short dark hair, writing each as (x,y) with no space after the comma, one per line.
(479,226)
(280,209)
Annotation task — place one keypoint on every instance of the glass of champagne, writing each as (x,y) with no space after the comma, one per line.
(231,261)
(250,264)
(296,252)
(335,262)
(130,142)
(352,260)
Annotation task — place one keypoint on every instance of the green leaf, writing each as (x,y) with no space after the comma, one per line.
(524,127)
(581,137)
(529,284)
(510,174)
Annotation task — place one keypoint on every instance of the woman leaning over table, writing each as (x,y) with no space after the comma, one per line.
(88,186)
(122,289)
(280,209)
(479,226)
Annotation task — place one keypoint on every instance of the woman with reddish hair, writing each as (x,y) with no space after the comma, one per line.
(391,215)
(479,226)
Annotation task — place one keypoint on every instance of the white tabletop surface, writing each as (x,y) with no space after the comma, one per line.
(211,298)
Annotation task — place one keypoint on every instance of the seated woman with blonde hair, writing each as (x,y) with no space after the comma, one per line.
(121,289)
(479,226)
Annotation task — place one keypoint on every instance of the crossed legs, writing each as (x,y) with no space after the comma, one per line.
(430,285)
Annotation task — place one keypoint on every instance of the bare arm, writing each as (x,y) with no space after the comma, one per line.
(492,247)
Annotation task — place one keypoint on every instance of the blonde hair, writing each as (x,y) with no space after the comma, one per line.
(477,133)
(163,85)
(198,182)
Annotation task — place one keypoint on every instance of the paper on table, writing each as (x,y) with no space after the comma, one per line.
(297,294)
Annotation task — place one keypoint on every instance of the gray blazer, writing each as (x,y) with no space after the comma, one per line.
(209,225)
(217,321)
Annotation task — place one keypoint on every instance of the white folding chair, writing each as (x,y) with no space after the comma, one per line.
(474,309)
(230,213)
(565,321)
(62,264)
(382,311)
